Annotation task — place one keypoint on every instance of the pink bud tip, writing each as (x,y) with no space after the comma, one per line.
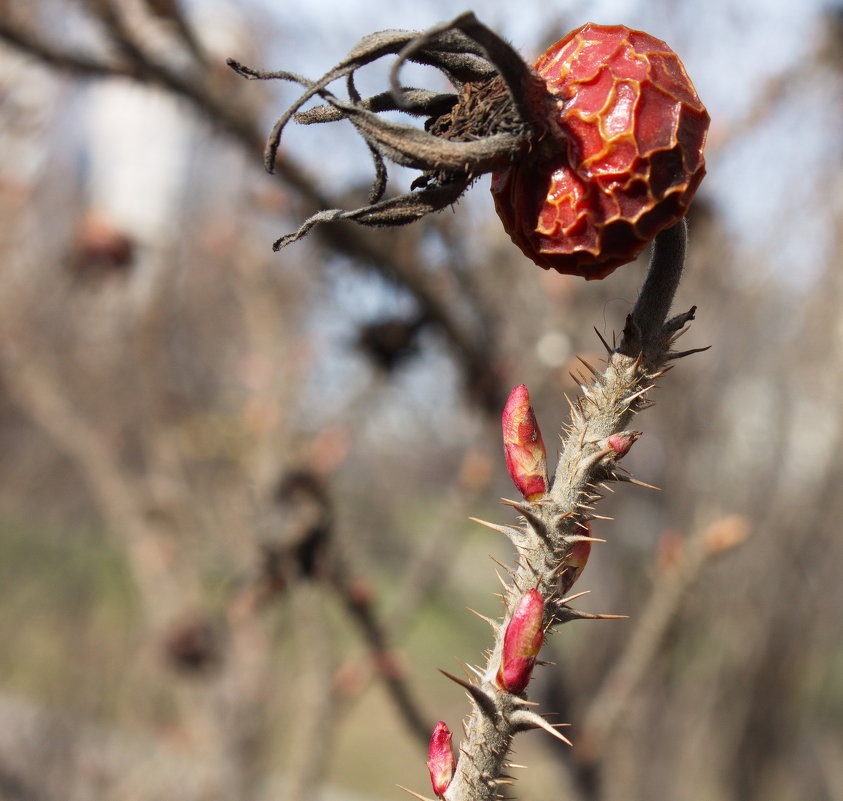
(440,761)
(621,443)
(575,560)
(523,447)
(522,642)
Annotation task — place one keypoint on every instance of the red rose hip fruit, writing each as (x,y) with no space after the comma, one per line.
(631,159)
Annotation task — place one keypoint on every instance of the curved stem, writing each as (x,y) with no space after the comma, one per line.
(656,296)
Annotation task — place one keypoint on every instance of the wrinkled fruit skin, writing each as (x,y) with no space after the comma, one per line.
(634,131)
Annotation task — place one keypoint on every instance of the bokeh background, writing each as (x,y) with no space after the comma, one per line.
(235,485)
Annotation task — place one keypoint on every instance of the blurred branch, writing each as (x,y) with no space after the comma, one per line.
(437,548)
(168,586)
(170,11)
(370,251)
(312,555)
(779,87)
(608,705)
(358,603)
(56,57)
(311,736)
(40,397)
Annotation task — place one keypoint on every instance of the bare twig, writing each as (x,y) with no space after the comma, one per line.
(359,606)
(41,398)
(315,720)
(58,58)
(314,554)
(608,704)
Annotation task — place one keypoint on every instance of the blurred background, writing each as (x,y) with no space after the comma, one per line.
(235,484)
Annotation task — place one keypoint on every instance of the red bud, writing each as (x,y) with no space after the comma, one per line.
(622,442)
(526,459)
(522,642)
(440,761)
(575,561)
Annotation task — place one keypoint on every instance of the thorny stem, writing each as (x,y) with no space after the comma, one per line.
(551,526)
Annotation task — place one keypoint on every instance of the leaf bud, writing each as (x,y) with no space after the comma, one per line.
(440,761)
(522,642)
(575,560)
(621,442)
(526,459)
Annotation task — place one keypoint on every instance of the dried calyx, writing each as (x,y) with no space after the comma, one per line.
(497,110)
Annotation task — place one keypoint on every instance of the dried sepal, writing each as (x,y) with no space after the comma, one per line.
(478,128)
